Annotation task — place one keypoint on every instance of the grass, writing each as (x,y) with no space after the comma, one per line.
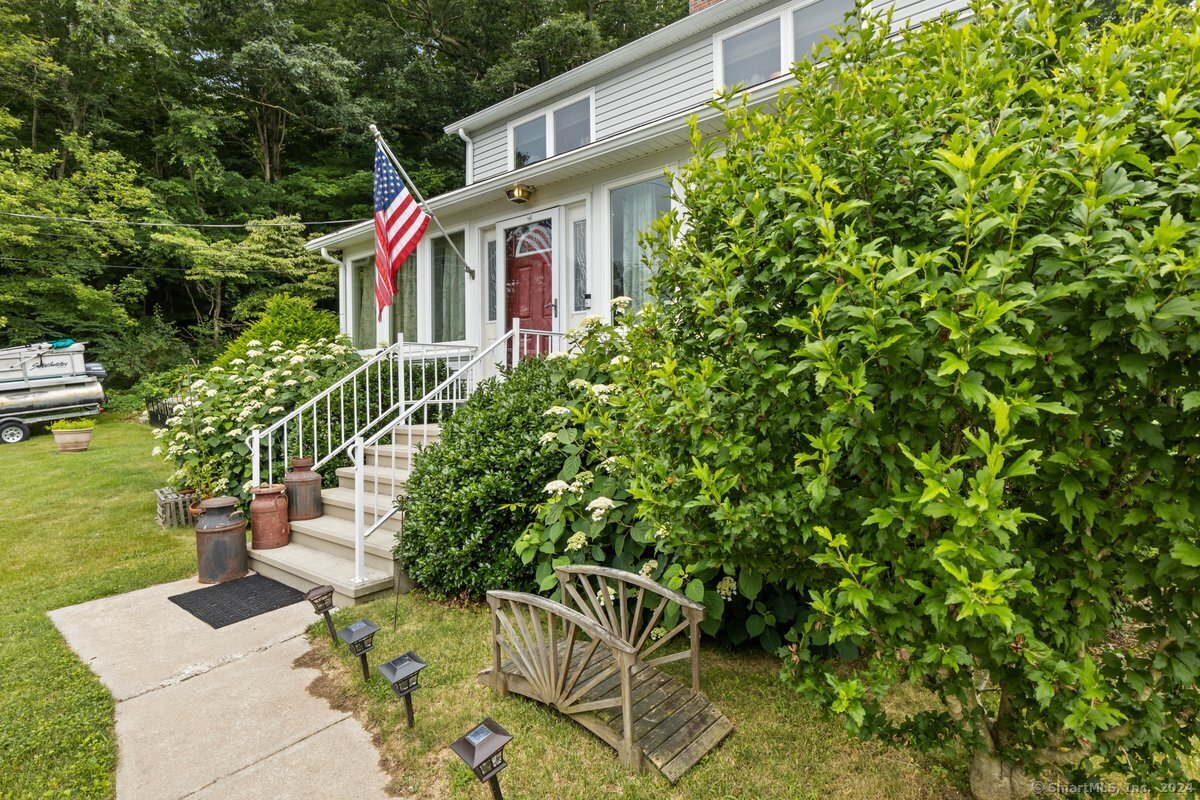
(74,527)
(782,747)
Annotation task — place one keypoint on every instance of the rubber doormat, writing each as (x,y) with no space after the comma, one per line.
(226,603)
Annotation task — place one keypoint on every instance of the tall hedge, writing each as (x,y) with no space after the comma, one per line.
(927,358)
(468,497)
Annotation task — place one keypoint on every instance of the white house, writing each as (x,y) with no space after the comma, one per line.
(593,147)
(590,152)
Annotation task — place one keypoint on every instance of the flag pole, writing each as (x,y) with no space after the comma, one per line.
(417,194)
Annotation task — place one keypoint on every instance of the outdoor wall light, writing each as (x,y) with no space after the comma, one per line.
(483,751)
(520,193)
(403,674)
(322,600)
(360,638)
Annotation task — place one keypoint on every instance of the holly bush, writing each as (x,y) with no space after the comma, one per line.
(466,501)
(926,356)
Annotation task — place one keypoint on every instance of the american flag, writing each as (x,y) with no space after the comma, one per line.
(400,222)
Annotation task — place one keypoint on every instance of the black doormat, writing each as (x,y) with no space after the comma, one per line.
(226,603)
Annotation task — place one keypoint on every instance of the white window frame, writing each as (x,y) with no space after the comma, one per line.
(547,114)
(787,44)
(425,288)
(602,284)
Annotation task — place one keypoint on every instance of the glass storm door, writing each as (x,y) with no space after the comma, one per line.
(529,287)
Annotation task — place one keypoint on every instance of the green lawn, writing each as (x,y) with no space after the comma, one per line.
(783,747)
(73,527)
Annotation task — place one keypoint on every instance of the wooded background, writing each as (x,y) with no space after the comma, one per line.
(230,112)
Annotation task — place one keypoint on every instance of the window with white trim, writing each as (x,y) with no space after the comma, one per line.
(764,49)
(559,129)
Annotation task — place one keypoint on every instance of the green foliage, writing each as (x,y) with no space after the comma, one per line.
(467,499)
(72,425)
(927,358)
(152,346)
(288,320)
(206,438)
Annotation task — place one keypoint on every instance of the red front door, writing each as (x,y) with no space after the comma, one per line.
(529,290)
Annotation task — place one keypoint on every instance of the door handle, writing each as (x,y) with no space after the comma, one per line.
(552,304)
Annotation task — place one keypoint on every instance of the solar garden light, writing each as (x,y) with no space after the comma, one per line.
(403,673)
(483,751)
(360,638)
(322,600)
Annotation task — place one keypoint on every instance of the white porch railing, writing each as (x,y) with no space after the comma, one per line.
(327,425)
(376,456)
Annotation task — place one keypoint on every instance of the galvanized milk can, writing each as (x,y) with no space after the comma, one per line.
(220,540)
(303,490)
(269,517)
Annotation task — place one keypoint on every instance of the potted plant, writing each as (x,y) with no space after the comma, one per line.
(72,435)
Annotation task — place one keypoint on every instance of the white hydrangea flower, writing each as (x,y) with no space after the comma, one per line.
(658,633)
(287,373)
(208,431)
(291,382)
(579,383)
(559,410)
(599,507)
(590,320)
(199,383)
(277,343)
(547,437)
(211,393)
(648,568)
(556,487)
(156,452)
(296,359)
(254,343)
(661,533)
(609,464)
(275,410)
(577,541)
(617,360)
(558,354)
(726,587)
(237,362)
(159,433)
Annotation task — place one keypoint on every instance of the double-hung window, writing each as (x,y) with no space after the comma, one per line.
(765,49)
(559,129)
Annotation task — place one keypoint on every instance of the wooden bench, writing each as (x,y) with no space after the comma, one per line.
(595,658)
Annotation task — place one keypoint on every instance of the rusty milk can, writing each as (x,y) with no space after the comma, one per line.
(303,490)
(220,540)
(269,517)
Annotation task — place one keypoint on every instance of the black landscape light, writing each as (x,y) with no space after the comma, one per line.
(403,674)
(483,751)
(360,638)
(321,598)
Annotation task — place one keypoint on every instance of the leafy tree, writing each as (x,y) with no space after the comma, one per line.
(927,357)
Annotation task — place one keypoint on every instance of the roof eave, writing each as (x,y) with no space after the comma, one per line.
(584,74)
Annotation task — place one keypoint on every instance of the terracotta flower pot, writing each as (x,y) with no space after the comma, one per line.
(73,441)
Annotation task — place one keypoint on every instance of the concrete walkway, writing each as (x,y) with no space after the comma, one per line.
(208,714)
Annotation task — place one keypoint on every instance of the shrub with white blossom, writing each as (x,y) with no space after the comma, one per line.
(205,438)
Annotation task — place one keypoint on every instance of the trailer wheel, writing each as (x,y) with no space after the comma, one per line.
(12,432)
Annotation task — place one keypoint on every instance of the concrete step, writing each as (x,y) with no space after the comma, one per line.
(402,456)
(384,481)
(335,535)
(340,503)
(303,568)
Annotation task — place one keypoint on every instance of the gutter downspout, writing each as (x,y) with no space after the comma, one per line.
(343,300)
(462,134)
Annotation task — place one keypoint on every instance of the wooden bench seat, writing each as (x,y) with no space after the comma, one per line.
(592,663)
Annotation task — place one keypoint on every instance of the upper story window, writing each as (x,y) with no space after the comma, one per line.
(559,129)
(764,50)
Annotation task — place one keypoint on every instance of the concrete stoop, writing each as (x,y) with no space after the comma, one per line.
(321,551)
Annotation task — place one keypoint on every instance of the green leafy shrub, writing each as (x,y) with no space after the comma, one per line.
(928,359)
(152,346)
(206,438)
(288,320)
(467,499)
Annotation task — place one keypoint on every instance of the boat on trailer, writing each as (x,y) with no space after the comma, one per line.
(44,382)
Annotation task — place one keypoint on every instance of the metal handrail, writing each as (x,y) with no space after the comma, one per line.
(462,384)
(383,367)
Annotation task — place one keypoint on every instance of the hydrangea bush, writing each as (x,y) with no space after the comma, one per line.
(205,439)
